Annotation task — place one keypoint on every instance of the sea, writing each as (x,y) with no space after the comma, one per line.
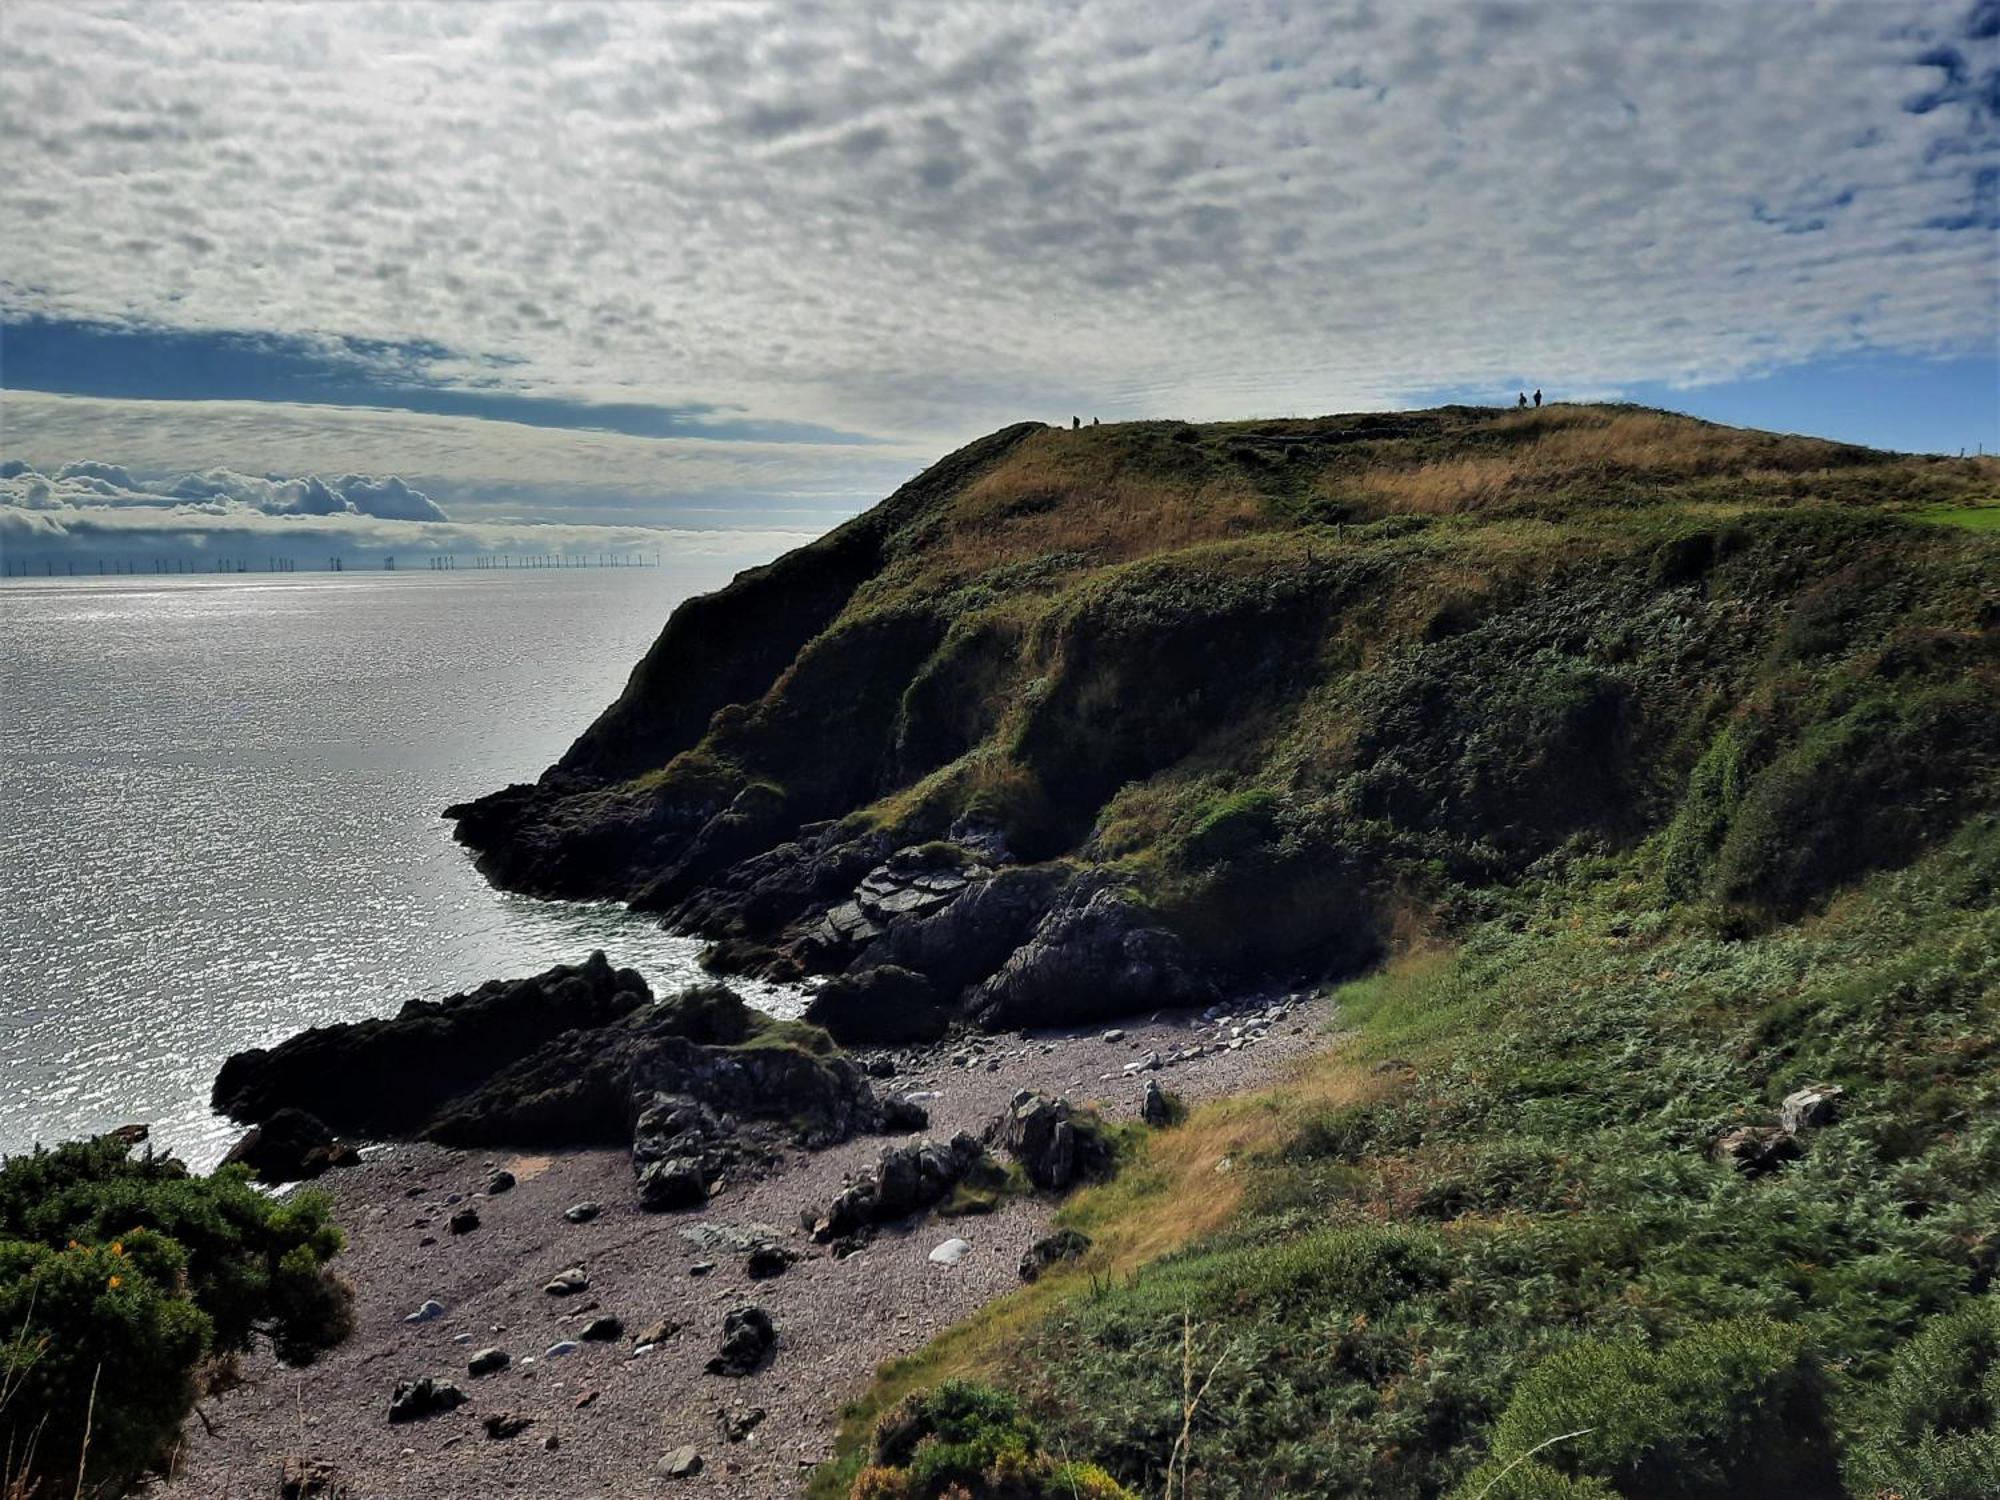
(219,816)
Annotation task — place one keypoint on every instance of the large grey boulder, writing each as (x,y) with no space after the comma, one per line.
(1096,954)
(886,1006)
(1056,1144)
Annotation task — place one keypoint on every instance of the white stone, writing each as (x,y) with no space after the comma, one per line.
(951,1252)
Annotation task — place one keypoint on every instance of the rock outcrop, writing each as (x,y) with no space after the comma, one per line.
(699,1083)
(1056,1144)
(1096,954)
(291,1146)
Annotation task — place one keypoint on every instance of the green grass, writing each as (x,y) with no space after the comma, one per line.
(1971,517)
(1409,1255)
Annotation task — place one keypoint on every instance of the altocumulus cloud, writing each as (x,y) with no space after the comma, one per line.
(923,217)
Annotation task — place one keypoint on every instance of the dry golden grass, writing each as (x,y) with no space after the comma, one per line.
(1063,496)
(1558,447)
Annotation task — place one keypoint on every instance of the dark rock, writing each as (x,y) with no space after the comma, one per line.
(675,1184)
(738,1425)
(488,1362)
(500,1182)
(464,1221)
(1755,1150)
(885,1006)
(604,1330)
(905,1180)
(1055,1144)
(747,1339)
(568,1283)
(389,1077)
(291,1146)
(969,939)
(413,1400)
(767,1261)
(582,1213)
(1156,1110)
(506,1424)
(1064,1244)
(1096,954)
(1810,1109)
(881,1066)
(900,1114)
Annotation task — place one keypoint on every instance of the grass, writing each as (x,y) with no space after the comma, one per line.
(1505,1160)
(1969,517)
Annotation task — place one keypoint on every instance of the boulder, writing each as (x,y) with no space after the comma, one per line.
(969,939)
(583,1213)
(682,1463)
(463,1220)
(506,1424)
(488,1362)
(766,1261)
(413,1400)
(568,1283)
(291,1146)
(950,1253)
(1156,1109)
(1052,1250)
(1056,1144)
(674,1184)
(501,1181)
(747,1339)
(1096,954)
(1810,1109)
(905,1180)
(388,1077)
(604,1330)
(886,1006)
(1755,1150)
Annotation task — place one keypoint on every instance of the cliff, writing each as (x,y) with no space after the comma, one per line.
(1078,722)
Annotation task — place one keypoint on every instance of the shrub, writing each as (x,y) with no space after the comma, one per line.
(970,1440)
(1933,1430)
(118,1276)
(1732,1409)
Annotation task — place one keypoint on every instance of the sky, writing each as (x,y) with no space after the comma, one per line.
(740,266)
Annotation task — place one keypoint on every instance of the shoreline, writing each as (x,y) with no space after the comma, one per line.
(836,1320)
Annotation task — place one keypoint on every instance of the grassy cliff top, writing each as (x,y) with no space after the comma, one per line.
(1309,681)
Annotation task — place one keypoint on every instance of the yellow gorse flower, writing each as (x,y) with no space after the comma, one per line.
(115,1281)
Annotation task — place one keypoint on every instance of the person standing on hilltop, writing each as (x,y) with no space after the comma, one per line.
(1538,396)
(1522,402)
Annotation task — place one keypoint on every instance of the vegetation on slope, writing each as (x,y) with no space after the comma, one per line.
(1307,682)
(121,1280)
(1490,1216)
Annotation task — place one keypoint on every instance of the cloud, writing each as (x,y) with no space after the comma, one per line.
(924,218)
(474,469)
(93,512)
(88,483)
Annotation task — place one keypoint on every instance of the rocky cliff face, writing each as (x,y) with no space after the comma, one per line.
(1077,721)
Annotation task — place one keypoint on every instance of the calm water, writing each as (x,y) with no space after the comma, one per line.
(219,816)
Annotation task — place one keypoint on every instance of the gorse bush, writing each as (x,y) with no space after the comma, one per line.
(1728,1410)
(964,1441)
(1932,1429)
(119,1276)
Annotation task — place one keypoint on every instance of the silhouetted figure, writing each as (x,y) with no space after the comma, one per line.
(1523,401)
(1538,397)
(1093,421)
(1074,423)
